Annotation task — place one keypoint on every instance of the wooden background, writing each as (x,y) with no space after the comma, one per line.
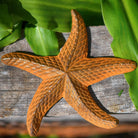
(17,87)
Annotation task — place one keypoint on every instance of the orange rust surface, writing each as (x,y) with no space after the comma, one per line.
(68,75)
(67,131)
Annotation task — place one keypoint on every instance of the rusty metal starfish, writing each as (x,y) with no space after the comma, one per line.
(68,75)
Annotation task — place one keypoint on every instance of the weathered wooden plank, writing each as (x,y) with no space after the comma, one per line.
(17,87)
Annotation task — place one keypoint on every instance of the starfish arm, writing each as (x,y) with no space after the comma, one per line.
(77,44)
(49,93)
(79,98)
(40,66)
(91,70)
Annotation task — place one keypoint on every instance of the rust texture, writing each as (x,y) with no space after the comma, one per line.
(68,75)
(71,130)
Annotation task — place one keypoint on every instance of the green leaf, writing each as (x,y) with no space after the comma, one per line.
(120,93)
(17,12)
(5,21)
(121,19)
(42,41)
(52,136)
(12,14)
(15,35)
(55,14)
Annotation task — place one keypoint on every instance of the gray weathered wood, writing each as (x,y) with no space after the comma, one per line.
(17,87)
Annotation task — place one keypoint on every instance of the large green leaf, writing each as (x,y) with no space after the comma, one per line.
(5,21)
(121,19)
(17,12)
(55,14)
(11,16)
(12,37)
(42,41)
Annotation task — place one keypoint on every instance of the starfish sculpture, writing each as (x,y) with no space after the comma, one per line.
(68,75)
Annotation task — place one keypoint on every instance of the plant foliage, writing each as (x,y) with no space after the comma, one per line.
(121,19)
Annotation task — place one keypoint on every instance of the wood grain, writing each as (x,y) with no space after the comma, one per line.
(17,87)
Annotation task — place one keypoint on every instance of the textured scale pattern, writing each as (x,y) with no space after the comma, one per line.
(68,75)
